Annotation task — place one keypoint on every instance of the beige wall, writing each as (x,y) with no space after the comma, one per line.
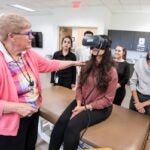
(78,34)
(64,31)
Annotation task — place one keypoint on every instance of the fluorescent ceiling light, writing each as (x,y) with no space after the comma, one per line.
(22,7)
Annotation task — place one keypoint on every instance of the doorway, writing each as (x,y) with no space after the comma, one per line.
(64,31)
(76,33)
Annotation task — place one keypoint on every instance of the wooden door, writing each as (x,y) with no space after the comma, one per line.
(64,31)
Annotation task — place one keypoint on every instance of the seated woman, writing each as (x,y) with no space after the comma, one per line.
(94,97)
(140,86)
(65,77)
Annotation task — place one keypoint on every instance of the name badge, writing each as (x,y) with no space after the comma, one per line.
(56,79)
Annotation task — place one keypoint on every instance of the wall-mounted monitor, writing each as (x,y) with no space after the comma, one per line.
(37,41)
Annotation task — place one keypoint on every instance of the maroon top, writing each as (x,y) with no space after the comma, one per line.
(98,99)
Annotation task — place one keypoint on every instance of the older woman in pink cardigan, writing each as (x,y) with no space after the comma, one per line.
(20,88)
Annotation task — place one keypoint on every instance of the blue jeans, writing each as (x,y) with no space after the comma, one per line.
(142,98)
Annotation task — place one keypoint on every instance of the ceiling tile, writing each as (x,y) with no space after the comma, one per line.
(109,2)
(44,6)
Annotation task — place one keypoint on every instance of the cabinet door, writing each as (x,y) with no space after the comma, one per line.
(126,39)
(140,41)
(123,38)
(148,42)
(115,37)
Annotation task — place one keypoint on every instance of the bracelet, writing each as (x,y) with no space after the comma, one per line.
(136,102)
(88,107)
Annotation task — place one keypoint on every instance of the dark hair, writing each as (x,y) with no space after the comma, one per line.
(124,50)
(101,70)
(88,32)
(107,42)
(67,37)
(147,56)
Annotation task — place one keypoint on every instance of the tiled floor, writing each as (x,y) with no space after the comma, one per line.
(42,145)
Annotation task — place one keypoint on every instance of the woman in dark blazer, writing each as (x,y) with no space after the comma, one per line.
(123,70)
(66,77)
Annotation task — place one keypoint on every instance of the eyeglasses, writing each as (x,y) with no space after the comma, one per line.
(29,34)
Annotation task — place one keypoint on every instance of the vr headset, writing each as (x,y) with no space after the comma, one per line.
(96,41)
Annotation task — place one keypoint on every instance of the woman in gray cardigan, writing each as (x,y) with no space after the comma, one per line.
(140,86)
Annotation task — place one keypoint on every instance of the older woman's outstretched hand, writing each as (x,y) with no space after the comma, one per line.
(79,63)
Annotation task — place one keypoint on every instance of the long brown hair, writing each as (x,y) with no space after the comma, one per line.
(148,55)
(101,70)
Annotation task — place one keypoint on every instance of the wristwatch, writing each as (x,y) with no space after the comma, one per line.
(89,107)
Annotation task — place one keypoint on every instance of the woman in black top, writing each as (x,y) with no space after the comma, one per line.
(66,77)
(123,70)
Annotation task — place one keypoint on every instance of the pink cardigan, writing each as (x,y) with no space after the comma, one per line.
(9,123)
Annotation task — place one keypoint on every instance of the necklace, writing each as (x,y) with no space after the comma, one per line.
(31,82)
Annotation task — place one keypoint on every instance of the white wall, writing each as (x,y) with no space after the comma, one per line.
(131,22)
(49,24)
(87,17)
(44,24)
